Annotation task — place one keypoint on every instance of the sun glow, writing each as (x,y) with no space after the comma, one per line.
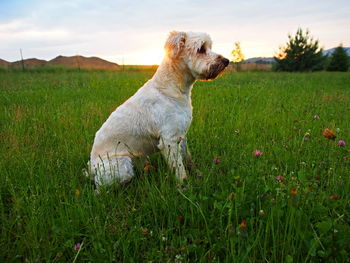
(154,55)
(146,57)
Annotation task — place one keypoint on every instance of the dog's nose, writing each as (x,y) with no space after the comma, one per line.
(225,61)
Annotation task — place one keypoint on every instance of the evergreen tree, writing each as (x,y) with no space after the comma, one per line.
(301,53)
(339,60)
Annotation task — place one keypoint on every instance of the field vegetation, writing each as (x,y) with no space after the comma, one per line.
(274,184)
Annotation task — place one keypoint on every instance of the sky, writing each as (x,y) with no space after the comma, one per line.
(134,32)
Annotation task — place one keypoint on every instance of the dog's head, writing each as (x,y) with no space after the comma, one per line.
(193,51)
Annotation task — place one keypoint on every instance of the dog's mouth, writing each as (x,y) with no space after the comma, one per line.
(215,70)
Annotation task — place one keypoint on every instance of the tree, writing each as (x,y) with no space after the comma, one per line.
(339,60)
(237,55)
(301,53)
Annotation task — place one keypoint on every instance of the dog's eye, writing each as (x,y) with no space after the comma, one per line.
(202,50)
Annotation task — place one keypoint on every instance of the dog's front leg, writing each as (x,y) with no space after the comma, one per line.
(171,151)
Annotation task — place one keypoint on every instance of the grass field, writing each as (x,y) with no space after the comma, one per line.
(290,204)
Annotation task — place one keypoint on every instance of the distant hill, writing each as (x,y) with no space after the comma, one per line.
(31,62)
(271,60)
(259,60)
(330,51)
(73,62)
(4,63)
(83,62)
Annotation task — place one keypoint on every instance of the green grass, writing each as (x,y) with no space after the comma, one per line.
(48,121)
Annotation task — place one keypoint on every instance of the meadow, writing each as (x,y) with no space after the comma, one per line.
(272,187)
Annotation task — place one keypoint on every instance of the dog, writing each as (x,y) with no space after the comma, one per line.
(157,117)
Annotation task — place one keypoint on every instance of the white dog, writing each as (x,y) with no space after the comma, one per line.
(157,117)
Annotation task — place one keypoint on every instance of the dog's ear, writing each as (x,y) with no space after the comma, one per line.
(175,43)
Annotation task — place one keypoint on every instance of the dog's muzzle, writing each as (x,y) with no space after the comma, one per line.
(217,68)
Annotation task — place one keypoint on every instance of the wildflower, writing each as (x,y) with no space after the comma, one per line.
(323,163)
(77,246)
(243,224)
(77,192)
(293,191)
(180,219)
(280,178)
(231,196)
(148,167)
(316,117)
(145,231)
(334,197)
(329,134)
(217,160)
(238,181)
(341,143)
(306,139)
(261,212)
(257,153)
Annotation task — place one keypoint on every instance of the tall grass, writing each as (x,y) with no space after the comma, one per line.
(291,204)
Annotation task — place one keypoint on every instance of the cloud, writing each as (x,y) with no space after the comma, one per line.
(127,29)
(19,29)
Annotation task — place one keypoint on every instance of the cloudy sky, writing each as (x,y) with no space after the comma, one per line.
(134,32)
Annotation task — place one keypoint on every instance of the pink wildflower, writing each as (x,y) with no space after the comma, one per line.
(77,246)
(217,160)
(257,153)
(341,143)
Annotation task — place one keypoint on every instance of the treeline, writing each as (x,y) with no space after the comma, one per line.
(302,53)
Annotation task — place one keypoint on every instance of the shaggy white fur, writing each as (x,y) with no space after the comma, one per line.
(157,117)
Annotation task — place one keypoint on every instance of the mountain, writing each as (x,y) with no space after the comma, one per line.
(270,60)
(330,51)
(74,62)
(259,60)
(83,62)
(4,63)
(30,62)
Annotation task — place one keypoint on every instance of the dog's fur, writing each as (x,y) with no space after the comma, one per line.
(157,117)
